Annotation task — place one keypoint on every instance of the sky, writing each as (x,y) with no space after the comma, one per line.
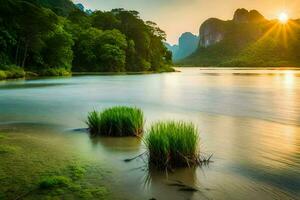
(178,16)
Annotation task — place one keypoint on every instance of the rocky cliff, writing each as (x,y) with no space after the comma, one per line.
(211,32)
(214,30)
(248,39)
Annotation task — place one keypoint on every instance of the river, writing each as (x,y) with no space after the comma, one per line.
(249,119)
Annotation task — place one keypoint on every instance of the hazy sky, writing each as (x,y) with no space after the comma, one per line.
(178,16)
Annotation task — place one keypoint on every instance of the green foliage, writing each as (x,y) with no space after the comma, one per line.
(79,18)
(60,7)
(3,137)
(7,149)
(66,173)
(55,181)
(37,36)
(77,171)
(90,193)
(172,144)
(11,71)
(98,50)
(105,20)
(55,72)
(58,43)
(272,50)
(2,75)
(261,43)
(113,58)
(116,121)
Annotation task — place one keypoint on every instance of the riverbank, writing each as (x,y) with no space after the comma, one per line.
(18,73)
(233,68)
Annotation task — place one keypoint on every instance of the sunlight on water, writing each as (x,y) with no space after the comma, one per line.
(289,78)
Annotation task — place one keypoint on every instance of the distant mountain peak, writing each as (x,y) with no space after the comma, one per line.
(187,44)
(242,15)
(81,7)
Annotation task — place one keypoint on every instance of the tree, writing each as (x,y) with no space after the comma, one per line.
(98,50)
(85,58)
(37,35)
(112,58)
(105,20)
(33,22)
(58,49)
(131,57)
(80,18)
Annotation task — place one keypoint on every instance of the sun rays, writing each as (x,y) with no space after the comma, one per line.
(282,30)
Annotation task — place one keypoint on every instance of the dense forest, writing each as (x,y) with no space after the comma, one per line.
(42,37)
(248,40)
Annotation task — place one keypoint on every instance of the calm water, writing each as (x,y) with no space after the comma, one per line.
(249,120)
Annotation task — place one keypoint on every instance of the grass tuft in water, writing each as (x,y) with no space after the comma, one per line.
(2,137)
(173,144)
(116,121)
(77,171)
(7,149)
(54,182)
(91,193)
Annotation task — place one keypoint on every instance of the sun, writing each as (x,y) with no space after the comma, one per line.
(283,17)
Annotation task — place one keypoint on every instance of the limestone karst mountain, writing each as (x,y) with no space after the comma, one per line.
(247,40)
(187,44)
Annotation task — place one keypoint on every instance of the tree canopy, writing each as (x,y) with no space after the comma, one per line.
(47,36)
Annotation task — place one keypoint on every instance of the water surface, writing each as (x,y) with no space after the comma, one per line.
(249,119)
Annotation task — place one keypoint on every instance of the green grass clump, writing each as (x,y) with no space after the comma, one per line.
(2,137)
(6,149)
(91,193)
(77,171)
(173,144)
(55,181)
(117,121)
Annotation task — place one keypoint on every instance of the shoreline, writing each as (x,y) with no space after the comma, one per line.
(241,68)
(36,76)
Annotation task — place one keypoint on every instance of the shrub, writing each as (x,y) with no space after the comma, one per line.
(2,75)
(55,72)
(166,68)
(15,72)
(117,121)
(172,144)
(11,71)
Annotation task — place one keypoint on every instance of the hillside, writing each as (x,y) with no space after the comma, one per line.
(247,40)
(55,38)
(60,7)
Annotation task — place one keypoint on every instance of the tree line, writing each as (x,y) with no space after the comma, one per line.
(40,40)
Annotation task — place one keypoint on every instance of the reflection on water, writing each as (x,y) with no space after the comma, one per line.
(117,144)
(249,120)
